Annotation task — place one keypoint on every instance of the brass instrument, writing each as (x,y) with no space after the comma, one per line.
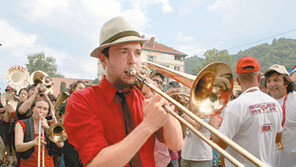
(40,135)
(8,99)
(209,94)
(61,98)
(41,77)
(56,132)
(17,77)
(280,146)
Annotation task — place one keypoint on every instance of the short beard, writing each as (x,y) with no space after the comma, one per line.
(123,85)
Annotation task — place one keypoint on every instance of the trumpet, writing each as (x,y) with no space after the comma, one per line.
(209,94)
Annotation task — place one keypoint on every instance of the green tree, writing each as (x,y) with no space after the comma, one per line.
(213,55)
(191,63)
(39,61)
(96,81)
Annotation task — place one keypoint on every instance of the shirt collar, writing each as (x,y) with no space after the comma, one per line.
(109,90)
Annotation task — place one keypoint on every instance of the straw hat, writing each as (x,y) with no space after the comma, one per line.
(115,31)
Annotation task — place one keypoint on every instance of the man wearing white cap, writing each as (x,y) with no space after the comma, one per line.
(112,124)
(280,86)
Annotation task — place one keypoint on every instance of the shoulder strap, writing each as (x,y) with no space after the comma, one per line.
(30,133)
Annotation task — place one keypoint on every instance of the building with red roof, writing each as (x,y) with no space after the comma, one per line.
(160,54)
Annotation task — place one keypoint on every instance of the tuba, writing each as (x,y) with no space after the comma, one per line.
(17,77)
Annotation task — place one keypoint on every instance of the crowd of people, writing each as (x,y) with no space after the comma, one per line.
(121,122)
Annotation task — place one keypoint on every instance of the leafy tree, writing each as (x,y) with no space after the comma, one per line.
(96,81)
(191,63)
(213,55)
(39,61)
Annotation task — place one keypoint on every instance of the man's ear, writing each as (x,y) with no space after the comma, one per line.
(103,59)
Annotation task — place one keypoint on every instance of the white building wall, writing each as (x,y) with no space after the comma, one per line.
(167,60)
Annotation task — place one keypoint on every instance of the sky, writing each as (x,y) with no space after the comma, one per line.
(69,30)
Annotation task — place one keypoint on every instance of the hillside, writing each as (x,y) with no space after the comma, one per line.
(280,51)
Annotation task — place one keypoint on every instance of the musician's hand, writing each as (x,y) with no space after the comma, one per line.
(40,88)
(44,123)
(60,144)
(147,92)
(173,90)
(9,109)
(36,141)
(154,114)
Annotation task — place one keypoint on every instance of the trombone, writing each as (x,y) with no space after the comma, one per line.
(40,135)
(209,94)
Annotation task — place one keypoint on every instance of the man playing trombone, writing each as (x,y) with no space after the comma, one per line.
(112,124)
(253,120)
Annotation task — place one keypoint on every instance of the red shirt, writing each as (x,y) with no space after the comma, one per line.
(33,159)
(94,120)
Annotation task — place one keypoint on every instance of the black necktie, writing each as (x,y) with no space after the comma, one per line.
(129,126)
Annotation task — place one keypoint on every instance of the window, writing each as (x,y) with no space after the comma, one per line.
(177,68)
(151,58)
(167,56)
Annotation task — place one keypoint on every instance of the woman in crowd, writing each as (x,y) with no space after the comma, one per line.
(26,136)
(23,95)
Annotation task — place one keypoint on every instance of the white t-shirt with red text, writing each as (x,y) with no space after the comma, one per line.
(252,121)
(287,156)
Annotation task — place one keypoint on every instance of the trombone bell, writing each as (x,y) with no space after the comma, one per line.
(56,132)
(211,89)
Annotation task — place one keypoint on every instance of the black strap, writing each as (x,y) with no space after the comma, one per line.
(129,126)
(120,35)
